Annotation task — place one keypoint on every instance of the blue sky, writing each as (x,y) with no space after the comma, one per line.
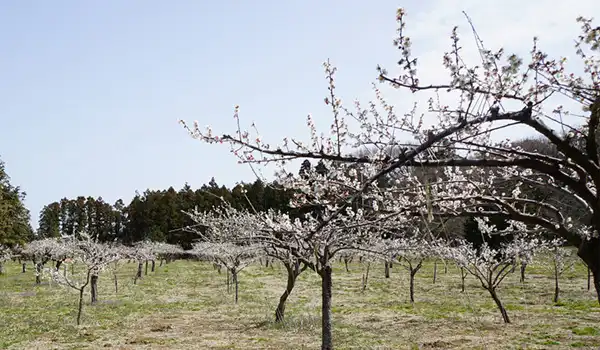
(90,92)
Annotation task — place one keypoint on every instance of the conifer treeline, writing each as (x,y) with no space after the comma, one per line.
(154,215)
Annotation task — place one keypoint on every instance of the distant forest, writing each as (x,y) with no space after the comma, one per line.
(152,215)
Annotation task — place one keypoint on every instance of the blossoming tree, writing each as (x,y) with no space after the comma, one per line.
(475,102)
(93,256)
(490,266)
(483,176)
(225,224)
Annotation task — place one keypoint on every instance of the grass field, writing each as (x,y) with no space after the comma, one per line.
(185,305)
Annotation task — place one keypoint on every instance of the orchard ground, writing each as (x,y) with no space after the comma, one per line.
(185,305)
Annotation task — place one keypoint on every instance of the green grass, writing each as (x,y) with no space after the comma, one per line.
(185,305)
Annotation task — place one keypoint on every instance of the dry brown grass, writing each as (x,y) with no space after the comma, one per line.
(185,306)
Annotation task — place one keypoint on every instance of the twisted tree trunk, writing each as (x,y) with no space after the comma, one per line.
(293,273)
(499,304)
(139,272)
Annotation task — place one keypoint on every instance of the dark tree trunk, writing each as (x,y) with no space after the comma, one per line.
(116,283)
(556,289)
(346,264)
(138,273)
(326,288)
(24,267)
(153,266)
(413,272)
(58,263)
(463,275)
(234,276)
(365,278)
(146,270)
(434,271)
(500,306)
(412,286)
(94,289)
(523,267)
(293,273)
(589,252)
(80,306)
(387,269)
(81,291)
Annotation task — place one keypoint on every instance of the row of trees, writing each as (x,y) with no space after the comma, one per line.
(236,238)
(77,262)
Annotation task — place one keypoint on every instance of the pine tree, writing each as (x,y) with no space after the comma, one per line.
(14,216)
(49,223)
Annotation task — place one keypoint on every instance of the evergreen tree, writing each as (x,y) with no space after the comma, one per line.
(119,220)
(14,216)
(80,217)
(67,223)
(49,223)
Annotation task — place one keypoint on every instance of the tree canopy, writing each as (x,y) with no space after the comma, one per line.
(15,227)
